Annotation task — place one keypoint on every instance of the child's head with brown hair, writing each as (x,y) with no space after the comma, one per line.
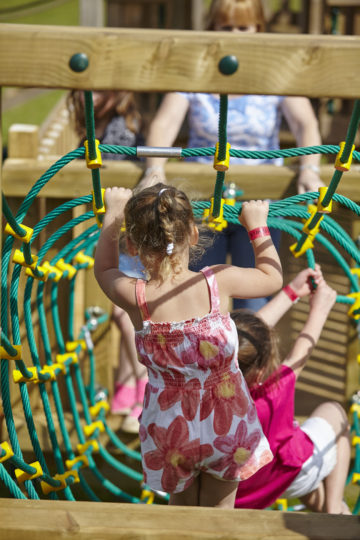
(160,225)
(258,354)
(225,14)
(107,104)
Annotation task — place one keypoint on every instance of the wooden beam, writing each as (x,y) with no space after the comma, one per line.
(168,60)
(197,179)
(110,521)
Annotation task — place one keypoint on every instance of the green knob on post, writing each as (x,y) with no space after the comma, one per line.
(79,62)
(228,65)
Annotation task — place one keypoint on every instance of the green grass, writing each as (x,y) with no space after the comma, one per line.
(66,13)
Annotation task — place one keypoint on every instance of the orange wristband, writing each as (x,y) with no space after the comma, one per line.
(258,233)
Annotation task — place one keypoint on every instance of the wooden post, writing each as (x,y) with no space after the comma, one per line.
(91,12)
(23,141)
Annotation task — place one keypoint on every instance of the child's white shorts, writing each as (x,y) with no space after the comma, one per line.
(322,461)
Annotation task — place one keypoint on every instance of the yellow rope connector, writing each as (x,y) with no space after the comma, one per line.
(4,355)
(47,267)
(52,371)
(22,476)
(71,346)
(147,496)
(222,165)
(63,358)
(320,208)
(42,268)
(91,443)
(95,163)
(355,407)
(63,266)
(355,271)
(26,239)
(355,440)
(8,452)
(282,504)
(216,223)
(358,358)
(90,428)
(314,230)
(81,258)
(99,406)
(98,211)
(355,478)
(19,377)
(83,459)
(19,258)
(339,165)
(306,245)
(46,488)
(355,306)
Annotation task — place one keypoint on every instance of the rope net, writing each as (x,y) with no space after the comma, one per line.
(65,374)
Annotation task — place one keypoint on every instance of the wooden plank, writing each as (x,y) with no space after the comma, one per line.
(19,175)
(167,60)
(84,520)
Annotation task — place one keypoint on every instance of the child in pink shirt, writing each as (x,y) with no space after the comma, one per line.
(310,462)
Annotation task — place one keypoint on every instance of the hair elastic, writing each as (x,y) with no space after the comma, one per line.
(169,248)
(162,191)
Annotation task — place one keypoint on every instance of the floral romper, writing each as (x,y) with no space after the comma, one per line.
(197,414)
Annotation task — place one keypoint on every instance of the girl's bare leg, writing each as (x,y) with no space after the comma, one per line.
(217,493)
(189,497)
(334,483)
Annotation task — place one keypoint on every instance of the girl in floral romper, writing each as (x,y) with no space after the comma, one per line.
(199,431)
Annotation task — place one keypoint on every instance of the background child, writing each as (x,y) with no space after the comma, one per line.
(118,122)
(310,462)
(199,431)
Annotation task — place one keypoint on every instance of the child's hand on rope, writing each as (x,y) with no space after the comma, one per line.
(115,199)
(254,214)
(302,284)
(323,297)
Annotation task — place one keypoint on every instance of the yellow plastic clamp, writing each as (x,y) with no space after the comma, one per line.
(43,269)
(81,258)
(63,358)
(339,165)
(320,208)
(100,210)
(83,459)
(355,440)
(26,238)
(306,245)
(71,346)
(46,488)
(63,266)
(8,452)
(282,504)
(95,163)
(222,165)
(355,271)
(355,306)
(4,355)
(355,478)
(91,443)
(99,406)
(52,270)
(90,428)
(19,258)
(22,476)
(314,230)
(19,377)
(355,407)
(147,496)
(218,223)
(52,371)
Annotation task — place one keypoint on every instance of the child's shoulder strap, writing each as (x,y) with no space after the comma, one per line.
(213,288)
(141,300)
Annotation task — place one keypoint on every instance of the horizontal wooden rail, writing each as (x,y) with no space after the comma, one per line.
(110,521)
(197,179)
(167,60)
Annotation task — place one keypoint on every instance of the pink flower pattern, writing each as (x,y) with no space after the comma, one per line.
(198,414)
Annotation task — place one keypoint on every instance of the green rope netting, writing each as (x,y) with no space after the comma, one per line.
(77,471)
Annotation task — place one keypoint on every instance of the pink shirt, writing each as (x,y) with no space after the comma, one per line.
(291,447)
